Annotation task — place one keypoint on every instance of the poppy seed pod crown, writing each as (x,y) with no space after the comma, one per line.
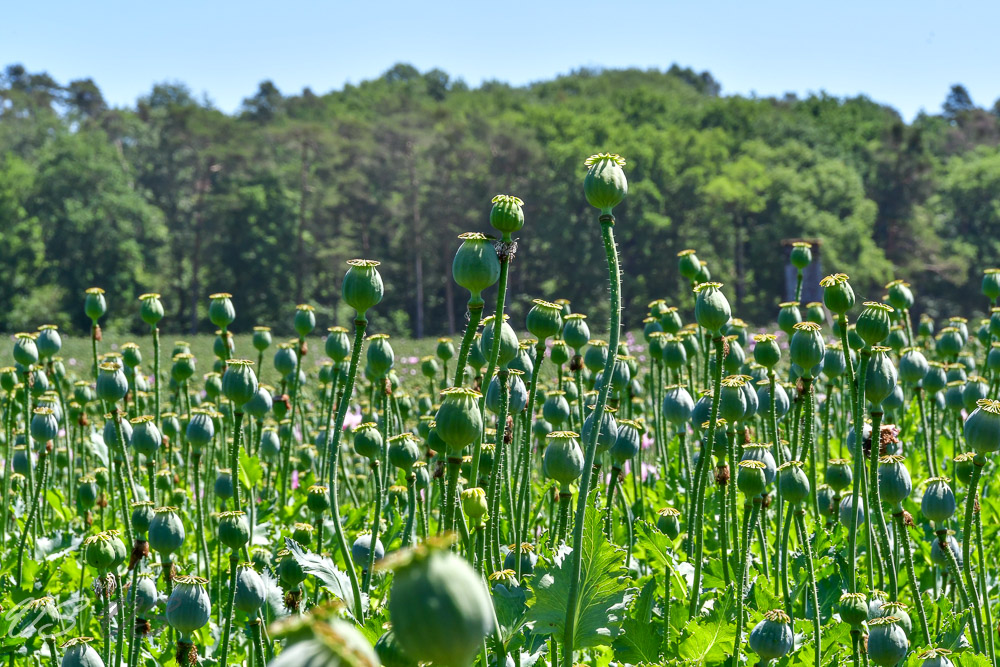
(801,255)
(221,312)
(94,304)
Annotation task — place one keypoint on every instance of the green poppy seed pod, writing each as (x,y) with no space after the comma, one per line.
(982,427)
(834,364)
(766,351)
(166,531)
(506,215)
(250,592)
(792,482)
(200,429)
(575,331)
(853,609)
(86,492)
(439,608)
(146,437)
(25,350)
(605,185)
(677,405)
(564,458)
(183,367)
(607,431)
(894,483)
(509,346)
(962,324)
(445,349)
(737,328)
(390,652)
(94,305)
(735,358)
(289,570)
(559,352)
(150,309)
(887,643)
(142,515)
(815,313)
(949,342)
(368,440)
(668,522)
(48,341)
(688,264)
(839,474)
(112,384)
(627,442)
(526,554)
(991,284)
(44,426)
(188,607)
(788,316)
(362,287)
(239,383)
(670,320)
(78,653)
(751,478)
(99,552)
(899,295)
(874,323)
(476,266)
(881,378)
(261,403)
(380,356)
(761,452)
(772,638)
(544,320)
(404,451)
(912,366)
(807,347)
(674,354)
(621,374)
(936,379)
(8,380)
(936,657)
(838,296)
(650,326)
(938,502)
(474,504)
(801,255)
(429,367)
(896,340)
(286,359)
(221,312)
(704,275)
(459,421)
(596,356)
(711,308)
(555,409)
(732,400)
(131,355)
(975,388)
(523,363)
(234,530)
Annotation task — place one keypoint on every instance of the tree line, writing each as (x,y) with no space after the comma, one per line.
(172,195)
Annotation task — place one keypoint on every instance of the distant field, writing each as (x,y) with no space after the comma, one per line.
(77,354)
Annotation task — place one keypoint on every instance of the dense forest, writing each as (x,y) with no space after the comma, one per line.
(175,196)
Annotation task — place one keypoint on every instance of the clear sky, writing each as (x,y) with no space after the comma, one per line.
(906,54)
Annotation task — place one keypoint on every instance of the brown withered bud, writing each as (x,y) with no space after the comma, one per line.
(722,475)
(576,363)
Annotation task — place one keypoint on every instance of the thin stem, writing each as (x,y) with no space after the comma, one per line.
(614,276)
(914,583)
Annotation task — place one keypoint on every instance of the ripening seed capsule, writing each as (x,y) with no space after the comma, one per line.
(94,305)
(362,288)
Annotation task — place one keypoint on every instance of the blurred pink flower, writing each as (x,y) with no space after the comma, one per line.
(351,419)
(647,441)
(295,479)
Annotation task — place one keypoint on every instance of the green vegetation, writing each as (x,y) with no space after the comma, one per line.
(175,196)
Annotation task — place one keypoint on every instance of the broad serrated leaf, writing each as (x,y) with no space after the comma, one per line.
(95,443)
(511,607)
(641,636)
(659,551)
(709,639)
(251,472)
(324,569)
(604,593)
(274,595)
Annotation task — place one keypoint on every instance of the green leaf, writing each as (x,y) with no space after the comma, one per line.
(251,472)
(604,594)
(709,639)
(659,551)
(510,605)
(641,637)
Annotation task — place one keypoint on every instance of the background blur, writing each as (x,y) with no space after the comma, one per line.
(252,148)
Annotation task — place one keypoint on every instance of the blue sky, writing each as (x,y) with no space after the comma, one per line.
(906,54)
